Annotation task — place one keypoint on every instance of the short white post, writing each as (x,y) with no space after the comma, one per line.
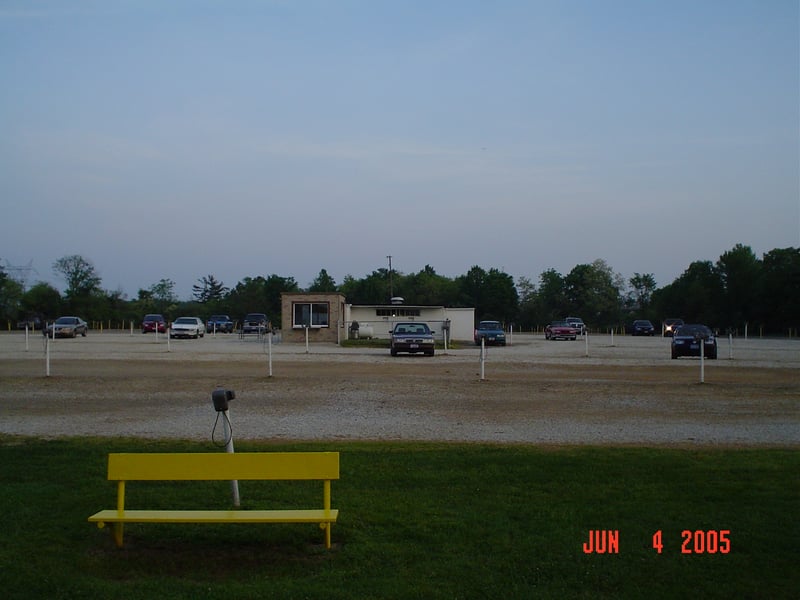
(730,346)
(612,337)
(702,360)
(47,355)
(306,328)
(169,337)
(511,335)
(483,359)
(27,347)
(229,449)
(586,340)
(269,346)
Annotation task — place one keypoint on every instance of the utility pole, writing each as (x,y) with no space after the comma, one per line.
(391,283)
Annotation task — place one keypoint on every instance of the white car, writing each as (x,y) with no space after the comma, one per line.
(192,327)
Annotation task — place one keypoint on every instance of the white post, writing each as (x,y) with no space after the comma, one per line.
(511,335)
(229,449)
(269,345)
(27,347)
(47,355)
(730,346)
(306,339)
(586,340)
(444,338)
(169,337)
(745,331)
(612,337)
(483,358)
(131,327)
(702,360)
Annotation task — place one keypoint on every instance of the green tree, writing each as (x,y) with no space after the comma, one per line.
(43,300)
(693,296)
(427,288)
(594,293)
(323,283)
(781,289)
(552,296)
(82,281)
(643,286)
(740,273)
(492,293)
(10,297)
(209,290)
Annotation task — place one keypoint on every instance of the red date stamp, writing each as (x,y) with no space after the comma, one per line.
(698,541)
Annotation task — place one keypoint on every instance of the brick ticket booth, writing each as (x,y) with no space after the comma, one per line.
(323,314)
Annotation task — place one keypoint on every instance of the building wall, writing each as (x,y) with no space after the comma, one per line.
(292,329)
(377,320)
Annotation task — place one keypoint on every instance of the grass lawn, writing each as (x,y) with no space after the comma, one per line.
(416,521)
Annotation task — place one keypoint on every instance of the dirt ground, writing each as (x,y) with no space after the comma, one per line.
(604,390)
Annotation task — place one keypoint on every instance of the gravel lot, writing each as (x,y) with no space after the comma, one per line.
(619,390)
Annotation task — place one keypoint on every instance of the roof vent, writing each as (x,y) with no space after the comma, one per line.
(397,300)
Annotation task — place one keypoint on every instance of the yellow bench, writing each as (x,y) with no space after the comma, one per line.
(274,466)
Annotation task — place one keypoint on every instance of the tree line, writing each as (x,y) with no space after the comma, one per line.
(737,291)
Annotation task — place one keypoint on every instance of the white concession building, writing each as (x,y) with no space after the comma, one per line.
(329,318)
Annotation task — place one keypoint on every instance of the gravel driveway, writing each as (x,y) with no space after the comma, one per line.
(619,390)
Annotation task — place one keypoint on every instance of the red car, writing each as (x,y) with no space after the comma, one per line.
(560,329)
(151,323)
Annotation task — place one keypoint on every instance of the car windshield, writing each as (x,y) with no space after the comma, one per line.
(66,320)
(412,328)
(642,323)
(559,324)
(218,318)
(692,330)
(489,325)
(185,320)
(153,318)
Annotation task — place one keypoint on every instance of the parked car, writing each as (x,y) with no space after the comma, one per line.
(687,340)
(577,323)
(154,322)
(560,330)
(255,323)
(412,338)
(66,327)
(220,323)
(642,327)
(670,325)
(31,323)
(188,327)
(491,332)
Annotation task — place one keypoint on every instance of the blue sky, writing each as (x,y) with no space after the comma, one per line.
(243,138)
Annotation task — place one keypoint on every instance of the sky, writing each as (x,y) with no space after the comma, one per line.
(238,138)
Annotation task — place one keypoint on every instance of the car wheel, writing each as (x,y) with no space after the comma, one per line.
(429,353)
(84,333)
(393,352)
(674,354)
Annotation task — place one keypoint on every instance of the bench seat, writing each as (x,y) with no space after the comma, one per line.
(215,516)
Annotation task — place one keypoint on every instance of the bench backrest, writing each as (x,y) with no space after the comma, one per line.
(222,466)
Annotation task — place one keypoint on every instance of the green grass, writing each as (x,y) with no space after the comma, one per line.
(416,521)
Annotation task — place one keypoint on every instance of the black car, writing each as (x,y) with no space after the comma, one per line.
(221,323)
(642,327)
(491,333)
(255,323)
(688,340)
(412,338)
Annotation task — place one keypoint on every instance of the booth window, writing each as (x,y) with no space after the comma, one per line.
(310,314)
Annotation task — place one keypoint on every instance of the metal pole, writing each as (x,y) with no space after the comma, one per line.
(306,339)
(730,346)
(229,449)
(27,347)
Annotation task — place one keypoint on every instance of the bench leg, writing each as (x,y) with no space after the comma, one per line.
(118,534)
